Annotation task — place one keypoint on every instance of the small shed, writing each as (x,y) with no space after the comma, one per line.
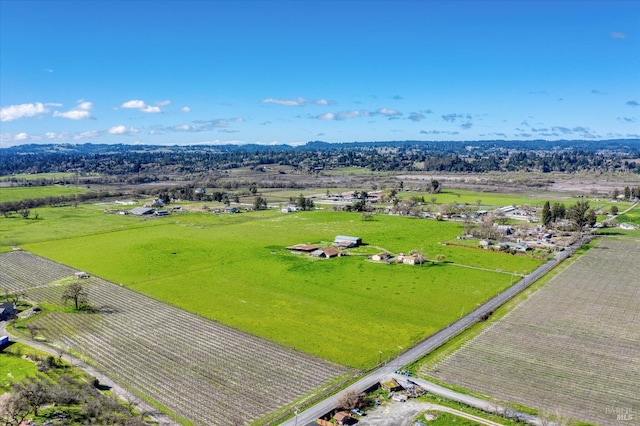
(81,275)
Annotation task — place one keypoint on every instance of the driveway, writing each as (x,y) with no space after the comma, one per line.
(403,413)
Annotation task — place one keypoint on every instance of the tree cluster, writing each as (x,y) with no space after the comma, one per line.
(76,402)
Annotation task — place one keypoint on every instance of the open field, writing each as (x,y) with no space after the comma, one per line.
(13,368)
(572,348)
(199,369)
(26,192)
(236,269)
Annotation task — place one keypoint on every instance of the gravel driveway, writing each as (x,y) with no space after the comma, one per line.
(403,413)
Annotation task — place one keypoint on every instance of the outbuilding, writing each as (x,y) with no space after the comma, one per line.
(344,240)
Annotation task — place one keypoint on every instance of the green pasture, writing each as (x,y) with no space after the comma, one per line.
(487,200)
(56,223)
(34,192)
(236,269)
(14,368)
(632,216)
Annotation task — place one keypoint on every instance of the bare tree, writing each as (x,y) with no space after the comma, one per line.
(351,399)
(34,392)
(13,410)
(76,293)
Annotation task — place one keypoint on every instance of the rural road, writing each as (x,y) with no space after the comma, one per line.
(432,342)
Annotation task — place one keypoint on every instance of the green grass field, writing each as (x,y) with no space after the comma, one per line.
(33,192)
(236,269)
(14,368)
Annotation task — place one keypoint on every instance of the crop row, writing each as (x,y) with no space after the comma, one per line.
(22,270)
(200,369)
(572,347)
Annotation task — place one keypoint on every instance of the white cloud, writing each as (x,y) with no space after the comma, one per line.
(21,137)
(133,104)
(326,116)
(122,130)
(164,103)
(321,102)
(184,128)
(86,135)
(185,109)
(82,111)
(14,112)
(151,109)
(55,136)
(143,106)
(73,114)
(286,102)
(618,35)
(342,115)
(388,112)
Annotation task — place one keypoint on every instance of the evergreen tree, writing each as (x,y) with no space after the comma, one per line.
(546,214)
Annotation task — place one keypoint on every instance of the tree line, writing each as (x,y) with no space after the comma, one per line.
(473,156)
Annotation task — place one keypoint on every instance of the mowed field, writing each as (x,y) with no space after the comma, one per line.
(571,349)
(200,370)
(236,269)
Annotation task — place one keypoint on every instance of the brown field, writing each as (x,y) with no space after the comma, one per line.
(572,349)
(199,369)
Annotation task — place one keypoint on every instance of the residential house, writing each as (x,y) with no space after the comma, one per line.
(381,257)
(6,310)
(342,418)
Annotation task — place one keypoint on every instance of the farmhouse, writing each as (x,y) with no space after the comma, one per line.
(409,259)
(346,241)
(6,310)
(381,257)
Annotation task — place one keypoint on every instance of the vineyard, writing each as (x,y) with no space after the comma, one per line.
(571,349)
(199,369)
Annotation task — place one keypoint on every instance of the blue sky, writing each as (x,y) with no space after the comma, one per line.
(187,72)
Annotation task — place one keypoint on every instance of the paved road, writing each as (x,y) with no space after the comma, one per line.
(432,342)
